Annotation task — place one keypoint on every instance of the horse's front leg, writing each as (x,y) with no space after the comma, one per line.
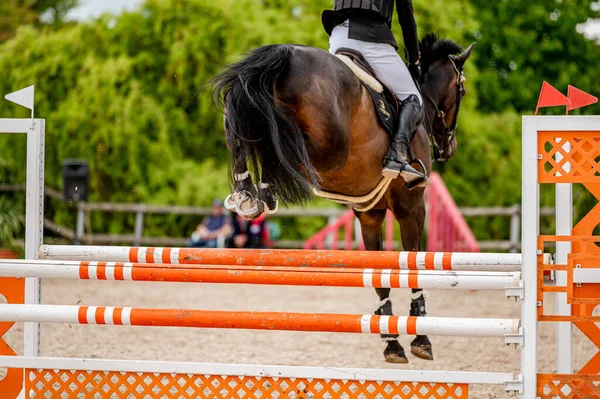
(244,199)
(370,223)
(420,346)
(411,228)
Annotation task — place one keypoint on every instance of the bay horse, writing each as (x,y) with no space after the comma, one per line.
(300,119)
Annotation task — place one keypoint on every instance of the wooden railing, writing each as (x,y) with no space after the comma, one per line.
(77,233)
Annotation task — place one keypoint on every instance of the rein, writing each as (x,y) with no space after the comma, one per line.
(449,131)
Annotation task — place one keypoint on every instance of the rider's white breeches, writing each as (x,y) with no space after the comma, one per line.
(385,61)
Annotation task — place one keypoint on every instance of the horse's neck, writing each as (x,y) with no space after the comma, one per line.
(429,101)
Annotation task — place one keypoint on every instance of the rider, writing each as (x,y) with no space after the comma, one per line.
(365,25)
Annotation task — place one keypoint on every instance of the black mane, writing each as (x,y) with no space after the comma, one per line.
(434,49)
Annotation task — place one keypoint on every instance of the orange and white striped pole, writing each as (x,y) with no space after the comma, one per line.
(283,321)
(270,275)
(295,258)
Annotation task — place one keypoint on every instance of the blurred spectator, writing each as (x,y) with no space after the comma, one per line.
(214,229)
(250,234)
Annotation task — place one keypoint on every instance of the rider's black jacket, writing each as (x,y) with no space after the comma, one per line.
(371,21)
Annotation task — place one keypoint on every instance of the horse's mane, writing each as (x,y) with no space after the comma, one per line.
(434,49)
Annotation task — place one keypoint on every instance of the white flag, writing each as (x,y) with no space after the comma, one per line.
(23,97)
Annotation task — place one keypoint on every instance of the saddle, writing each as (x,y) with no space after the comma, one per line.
(385,102)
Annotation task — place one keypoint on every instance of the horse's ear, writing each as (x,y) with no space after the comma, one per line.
(462,58)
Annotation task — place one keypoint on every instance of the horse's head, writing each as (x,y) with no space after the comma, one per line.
(443,86)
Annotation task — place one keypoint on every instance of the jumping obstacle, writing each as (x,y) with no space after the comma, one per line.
(281,321)
(282,257)
(555,150)
(267,275)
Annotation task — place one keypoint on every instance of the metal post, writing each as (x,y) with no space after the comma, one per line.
(515,229)
(139,227)
(564,224)
(530,229)
(34,224)
(80,226)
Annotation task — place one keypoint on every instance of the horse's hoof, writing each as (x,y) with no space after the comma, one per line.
(229,203)
(395,358)
(270,211)
(244,204)
(251,214)
(394,353)
(421,347)
(422,352)
(233,200)
(250,209)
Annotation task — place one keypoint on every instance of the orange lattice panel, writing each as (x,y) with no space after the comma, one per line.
(586,255)
(568,386)
(13,289)
(582,157)
(104,384)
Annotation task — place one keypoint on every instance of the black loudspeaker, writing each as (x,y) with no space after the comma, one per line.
(76,177)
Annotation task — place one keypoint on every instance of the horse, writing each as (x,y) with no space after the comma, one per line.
(301,120)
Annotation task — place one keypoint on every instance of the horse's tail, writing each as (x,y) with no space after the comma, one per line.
(262,128)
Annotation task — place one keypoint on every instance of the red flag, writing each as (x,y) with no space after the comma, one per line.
(579,98)
(550,97)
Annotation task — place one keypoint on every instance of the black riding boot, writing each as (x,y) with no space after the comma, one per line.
(395,161)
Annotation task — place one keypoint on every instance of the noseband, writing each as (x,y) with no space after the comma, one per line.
(449,131)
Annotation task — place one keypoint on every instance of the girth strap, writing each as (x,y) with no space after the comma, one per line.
(360,204)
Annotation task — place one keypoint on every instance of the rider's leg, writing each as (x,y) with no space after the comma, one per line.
(391,71)
(386,63)
(395,161)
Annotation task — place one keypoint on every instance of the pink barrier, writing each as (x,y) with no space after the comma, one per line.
(446,227)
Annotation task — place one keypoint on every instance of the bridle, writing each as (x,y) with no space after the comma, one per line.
(449,131)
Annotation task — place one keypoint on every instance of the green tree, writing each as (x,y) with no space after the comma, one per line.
(522,43)
(14,13)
